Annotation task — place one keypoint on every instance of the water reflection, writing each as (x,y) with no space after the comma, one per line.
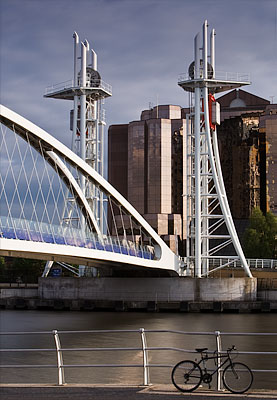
(49,320)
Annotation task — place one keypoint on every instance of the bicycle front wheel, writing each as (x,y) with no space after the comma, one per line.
(186,376)
(237,377)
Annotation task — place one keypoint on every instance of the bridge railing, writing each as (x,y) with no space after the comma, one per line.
(21,229)
(253,263)
(146,351)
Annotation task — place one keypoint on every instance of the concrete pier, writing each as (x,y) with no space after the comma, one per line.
(214,295)
(173,289)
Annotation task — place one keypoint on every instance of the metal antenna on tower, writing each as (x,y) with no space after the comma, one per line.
(210,227)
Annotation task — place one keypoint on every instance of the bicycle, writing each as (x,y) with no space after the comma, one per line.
(187,375)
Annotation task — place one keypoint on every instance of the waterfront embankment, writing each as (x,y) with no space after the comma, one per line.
(96,392)
(149,306)
(215,295)
(93,340)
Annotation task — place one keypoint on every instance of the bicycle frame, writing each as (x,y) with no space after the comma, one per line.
(205,358)
(187,375)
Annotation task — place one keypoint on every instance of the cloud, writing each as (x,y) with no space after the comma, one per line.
(142,47)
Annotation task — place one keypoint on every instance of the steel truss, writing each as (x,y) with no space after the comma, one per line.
(210,226)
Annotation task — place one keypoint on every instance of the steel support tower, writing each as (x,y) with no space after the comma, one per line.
(87,119)
(210,228)
(88,91)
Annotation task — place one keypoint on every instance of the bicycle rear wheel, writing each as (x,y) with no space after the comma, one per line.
(237,377)
(186,376)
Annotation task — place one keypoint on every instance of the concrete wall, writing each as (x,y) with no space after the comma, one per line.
(149,289)
(22,293)
(228,289)
(267,295)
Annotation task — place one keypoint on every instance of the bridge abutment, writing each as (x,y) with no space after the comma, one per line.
(148,289)
(214,295)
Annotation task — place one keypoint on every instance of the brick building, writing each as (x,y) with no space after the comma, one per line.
(239,102)
(248,152)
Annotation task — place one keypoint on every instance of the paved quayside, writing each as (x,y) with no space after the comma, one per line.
(106,392)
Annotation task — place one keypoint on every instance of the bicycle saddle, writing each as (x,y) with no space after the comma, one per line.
(201,350)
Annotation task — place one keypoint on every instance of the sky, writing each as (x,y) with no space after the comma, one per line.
(142,47)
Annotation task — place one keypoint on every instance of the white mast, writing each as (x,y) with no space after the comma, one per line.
(210,225)
(88,91)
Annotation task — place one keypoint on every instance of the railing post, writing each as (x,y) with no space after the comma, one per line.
(219,349)
(59,358)
(145,357)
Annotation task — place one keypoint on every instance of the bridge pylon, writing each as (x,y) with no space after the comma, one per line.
(211,233)
(87,122)
(87,119)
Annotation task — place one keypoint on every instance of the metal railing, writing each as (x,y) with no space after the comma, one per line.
(69,84)
(145,350)
(253,263)
(22,229)
(221,76)
(262,263)
(59,86)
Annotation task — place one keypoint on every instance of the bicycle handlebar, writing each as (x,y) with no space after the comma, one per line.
(229,350)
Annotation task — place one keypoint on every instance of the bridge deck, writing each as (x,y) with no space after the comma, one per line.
(71,237)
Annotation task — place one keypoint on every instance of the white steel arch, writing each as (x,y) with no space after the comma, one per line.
(62,168)
(53,151)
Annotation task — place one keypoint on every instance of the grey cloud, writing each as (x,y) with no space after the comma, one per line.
(142,47)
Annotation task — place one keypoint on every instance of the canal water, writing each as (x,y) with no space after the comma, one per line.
(30,321)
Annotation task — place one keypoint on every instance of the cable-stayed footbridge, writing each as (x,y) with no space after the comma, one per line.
(38,174)
(57,206)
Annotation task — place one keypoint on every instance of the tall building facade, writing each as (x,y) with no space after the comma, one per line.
(239,146)
(147,162)
(146,165)
(248,151)
(268,143)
